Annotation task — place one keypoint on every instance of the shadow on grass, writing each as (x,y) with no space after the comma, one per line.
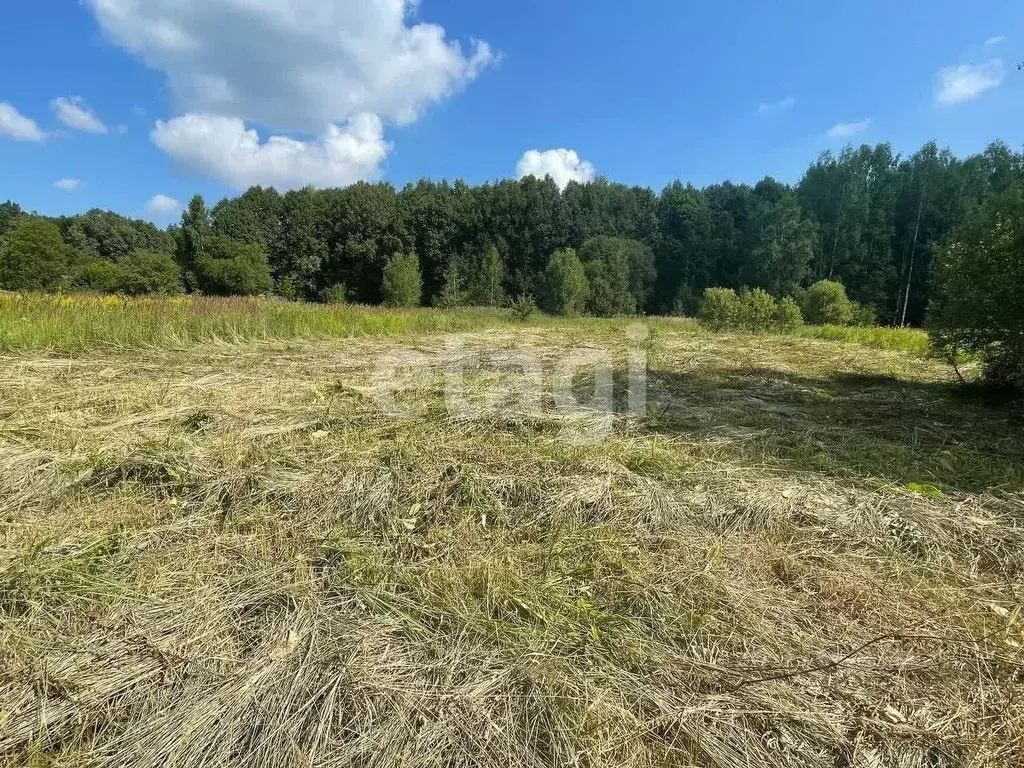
(876,426)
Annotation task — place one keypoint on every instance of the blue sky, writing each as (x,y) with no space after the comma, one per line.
(137,99)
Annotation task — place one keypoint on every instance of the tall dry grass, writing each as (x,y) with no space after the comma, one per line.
(74,322)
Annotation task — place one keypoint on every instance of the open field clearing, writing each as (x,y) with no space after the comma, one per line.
(216,553)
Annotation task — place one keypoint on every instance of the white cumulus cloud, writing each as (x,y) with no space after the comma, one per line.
(223,148)
(297,65)
(162,206)
(995,40)
(16,126)
(777,106)
(73,112)
(562,165)
(848,130)
(67,185)
(967,81)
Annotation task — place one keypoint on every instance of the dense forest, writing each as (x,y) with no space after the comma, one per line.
(865,217)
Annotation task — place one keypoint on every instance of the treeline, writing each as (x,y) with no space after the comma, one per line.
(866,217)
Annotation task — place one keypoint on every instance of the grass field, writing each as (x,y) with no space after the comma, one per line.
(216,550)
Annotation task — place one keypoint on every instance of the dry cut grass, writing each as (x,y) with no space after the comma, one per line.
(227,556)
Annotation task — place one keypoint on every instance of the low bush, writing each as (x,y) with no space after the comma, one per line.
(787,315)
(753,311)
(720,310)
(523,307)
(826,303)
(757,311)
(336,294)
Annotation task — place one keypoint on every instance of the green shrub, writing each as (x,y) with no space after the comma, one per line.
(787,315)
(95,275)
(233,268)
(403,285)
(720,310)
(287,289)
(826,303)
(979,282)
(863,315)
(565,284)
(336,294)
(757,311)
(523,307)
(147,272)
(34,257)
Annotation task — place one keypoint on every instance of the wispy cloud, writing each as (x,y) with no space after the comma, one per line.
(68,185)
(776,106)
(17,126)
(995,40)
(75,114)
(965,82)
(848,130)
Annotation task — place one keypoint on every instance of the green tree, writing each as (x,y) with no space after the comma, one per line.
(565,283)
(979,281)
(622,265)
(485,285)
(233,268)
(10,212)
(403,284)
(147,272)
(193,236)
(783,242)
(34,257)
(108,235)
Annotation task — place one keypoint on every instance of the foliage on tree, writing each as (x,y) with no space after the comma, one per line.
(34,256)
(193,235)
(619,266)
(864,217)
(485,286)
(147,272)
(108,235)
(783,244)
(403,284)
(10,212)
(566,289)
(232,268)
(979,282)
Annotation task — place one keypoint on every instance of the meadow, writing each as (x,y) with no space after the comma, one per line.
(217,550)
